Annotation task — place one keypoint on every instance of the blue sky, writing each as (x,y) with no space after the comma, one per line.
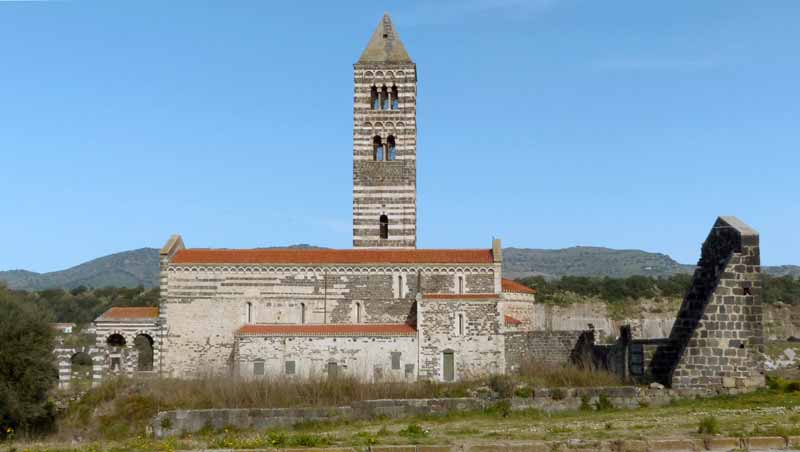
(548,123)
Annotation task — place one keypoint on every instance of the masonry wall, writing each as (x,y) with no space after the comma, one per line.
(478,352)
(552,348)
(717,339)
(366,358)
(205,304)
(385,187)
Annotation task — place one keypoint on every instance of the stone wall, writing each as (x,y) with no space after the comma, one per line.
(477,351)
(539,347)
(367,358)
(717,339)
(206,304)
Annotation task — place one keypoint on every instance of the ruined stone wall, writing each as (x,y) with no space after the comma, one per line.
(127,355)
(551,348)
(206,304)
(366,358)
(479,351)
(385,187)
(521,311)
(717,338)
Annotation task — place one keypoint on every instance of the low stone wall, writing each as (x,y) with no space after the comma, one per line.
(171,423)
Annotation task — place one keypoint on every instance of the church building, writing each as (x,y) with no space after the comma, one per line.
(381,310)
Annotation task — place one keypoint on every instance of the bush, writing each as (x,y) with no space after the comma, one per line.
(27,367)
(413,431)
(708,426)
(603,403)
(524,392)
(792,386)
(503,385)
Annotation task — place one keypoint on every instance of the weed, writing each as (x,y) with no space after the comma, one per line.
(585,405)
(413,431)
(524,392)
(558,394)
(166,423)
(603,403)
(709,426)
(503,385)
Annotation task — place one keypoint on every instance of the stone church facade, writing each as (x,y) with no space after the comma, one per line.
(387,310)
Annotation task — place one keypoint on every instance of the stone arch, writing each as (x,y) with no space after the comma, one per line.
(145,352)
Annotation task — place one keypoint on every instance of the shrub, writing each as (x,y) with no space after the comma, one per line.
(27,368)
(558,394)
(603,403)
(585,405)
(792,386)
(503,385)
(708,426)
(524,392)
(501,408)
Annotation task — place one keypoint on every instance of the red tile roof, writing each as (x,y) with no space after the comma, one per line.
(130,313)
(512,321)
(361,329)
(515,287)
(463,296)
(326,256)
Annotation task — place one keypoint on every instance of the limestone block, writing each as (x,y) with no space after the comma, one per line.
(681,445)
(725,444)
(765,443)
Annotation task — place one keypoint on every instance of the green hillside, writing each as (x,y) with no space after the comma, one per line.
(140,267)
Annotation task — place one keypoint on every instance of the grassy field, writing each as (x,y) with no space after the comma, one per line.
(773,412)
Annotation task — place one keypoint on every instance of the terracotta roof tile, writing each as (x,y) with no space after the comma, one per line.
(515,287)
(130,313)
(361,329)
(326,256)
(463,296)
(512,321)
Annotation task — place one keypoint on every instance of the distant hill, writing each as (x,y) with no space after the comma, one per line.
(140,267)
(126,269)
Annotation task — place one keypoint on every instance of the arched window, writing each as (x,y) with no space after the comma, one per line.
(373,98)
(395,98)
(357,313)
(302,313)
(460,324)
(249,312)
(460,284)
(144,346)
(384,98)
(384,226)
(391,154)
(377,148)
(115,340)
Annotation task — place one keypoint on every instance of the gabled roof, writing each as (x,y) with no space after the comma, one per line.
(385,46)
(349,329)
(515,287)
(130,313)
(326,256)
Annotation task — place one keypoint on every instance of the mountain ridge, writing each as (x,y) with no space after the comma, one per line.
(140,267)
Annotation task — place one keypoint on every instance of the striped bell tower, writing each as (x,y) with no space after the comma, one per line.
(385,143)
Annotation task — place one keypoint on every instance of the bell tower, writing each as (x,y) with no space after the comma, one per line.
(385,143)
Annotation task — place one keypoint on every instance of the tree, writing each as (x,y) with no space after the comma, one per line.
(27,367)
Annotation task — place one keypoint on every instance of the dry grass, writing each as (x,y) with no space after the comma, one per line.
(550,376)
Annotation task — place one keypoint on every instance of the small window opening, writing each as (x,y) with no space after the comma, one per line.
(258,367)
(302,313)
(333,370)
(384,98)
(385,36)
(400,286)
(249,312)
(392,153)
(377,148)
(384,226)
(358,313)
(460,284)
(373,98)
(395,99)
(461,324)
(747,291)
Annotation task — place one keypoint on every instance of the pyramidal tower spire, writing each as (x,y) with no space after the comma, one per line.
(385,143)
(385,46)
